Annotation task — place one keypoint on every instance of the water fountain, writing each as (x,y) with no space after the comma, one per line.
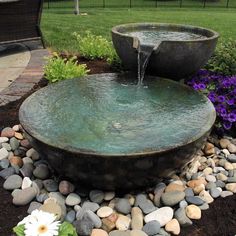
(106,132)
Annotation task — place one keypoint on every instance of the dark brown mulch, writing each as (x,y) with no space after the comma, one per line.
(219,220)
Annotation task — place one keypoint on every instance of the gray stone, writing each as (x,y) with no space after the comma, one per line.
(7,146)
(183,220)
(73,199)
(33,154)
(66,187)
(58,196)
(24,196)
(39,183)
(226,194)
(41,172)
(123,206)
(27,170)
(83,227)
(145,204)
(12,182)
(50,185)
(92,206)
(89,215)
(204,206)
(70,216)
(119,233)
(211,178)
(195,200)
(189,192)
(3,153)
(220,184)
(159,189)
(41,197)
(152,228)
(215,193)
(172,198)
(163,233)
(27,160)
(183,204)
(231,179)
(14,143)
(210,185)
(33,206)
(96,196)
(232,158)
(4,163)
(5,173)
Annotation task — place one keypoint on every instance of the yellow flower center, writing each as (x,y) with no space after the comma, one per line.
(42,229)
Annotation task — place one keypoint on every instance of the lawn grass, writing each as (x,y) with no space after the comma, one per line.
(59,23)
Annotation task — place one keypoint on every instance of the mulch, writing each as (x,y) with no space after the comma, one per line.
(218,220)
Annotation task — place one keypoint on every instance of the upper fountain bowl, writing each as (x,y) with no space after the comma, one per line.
(183,49)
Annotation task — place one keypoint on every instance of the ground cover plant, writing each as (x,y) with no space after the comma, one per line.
(58,68)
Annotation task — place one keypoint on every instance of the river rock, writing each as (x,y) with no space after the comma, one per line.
(4,163)
(7,146)
(99,232)
(96,196)
(152,227)
(83,227)
(204,206)
(123,222)
(221,177)
(108,225)
(224,142)
(14,143)
(123,206)
(232,148)
(160,188)
(5,173)
(193,212)
(183,220)
(33,206)
(173,227)
(26,183)
(66,187)
(3,153)
(163,215)
(199,188)
(50,185)
(189,192)
(215,193)
(70,216)
(183,204)
(206,196)
(92,206)
(231,187)
(93,218)
(193,183)
(211,178)
(108,196)
(172,198)
(3,139)
(144,204)
(137,232)
(41,172)
(16,161)
(12,182)
(195,200)
(104,212)
(174,187)
(119,233)
(7,132)
(136,218)
(232,158)
(33,154)
(226,194)
(73,199)
(24,196)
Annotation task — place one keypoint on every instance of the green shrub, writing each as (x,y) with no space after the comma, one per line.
(93,47)
(224,59)
(58,69)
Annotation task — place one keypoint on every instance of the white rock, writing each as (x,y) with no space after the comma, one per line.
(26,183)
(163,215)
(123,222)
(73,199)
(4,139)
(104,211)
(16,128)
(3,153)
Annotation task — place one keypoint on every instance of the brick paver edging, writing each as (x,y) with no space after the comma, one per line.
(12,97)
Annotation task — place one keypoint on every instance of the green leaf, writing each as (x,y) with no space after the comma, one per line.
(19,230)
(67,229)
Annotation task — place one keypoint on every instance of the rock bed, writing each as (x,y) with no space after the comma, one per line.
(163,210)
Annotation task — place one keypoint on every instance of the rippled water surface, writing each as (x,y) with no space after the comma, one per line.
(107,114)
(153,37)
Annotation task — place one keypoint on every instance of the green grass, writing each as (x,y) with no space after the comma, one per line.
(59,23)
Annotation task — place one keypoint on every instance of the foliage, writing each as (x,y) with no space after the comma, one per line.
(93,47)
(65,229)
(224,59)
(221,90)
(58,69)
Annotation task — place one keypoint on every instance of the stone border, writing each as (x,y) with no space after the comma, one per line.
(12,96)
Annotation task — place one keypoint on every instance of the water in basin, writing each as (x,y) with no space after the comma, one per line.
(109,114)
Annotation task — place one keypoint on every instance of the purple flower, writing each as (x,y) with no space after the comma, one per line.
(221,99)
(201,86)
(231,117)
(212,96)
(227,125)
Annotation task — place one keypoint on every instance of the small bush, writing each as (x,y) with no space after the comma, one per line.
(93,47)
(224,59)
(58,69)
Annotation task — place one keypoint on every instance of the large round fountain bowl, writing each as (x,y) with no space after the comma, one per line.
(174,59)
(103,131)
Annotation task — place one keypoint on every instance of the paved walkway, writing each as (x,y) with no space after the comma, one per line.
(13,60)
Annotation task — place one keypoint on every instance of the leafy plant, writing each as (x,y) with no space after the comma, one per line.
(224,59)
(93,47)
(67,229)
(221,90)
(58,69)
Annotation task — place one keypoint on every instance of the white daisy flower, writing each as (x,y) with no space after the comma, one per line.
(40,223)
